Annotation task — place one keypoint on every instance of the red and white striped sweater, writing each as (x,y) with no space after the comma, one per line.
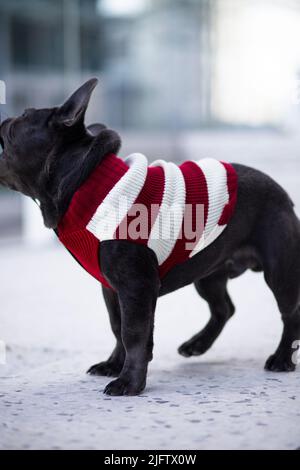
(177,211)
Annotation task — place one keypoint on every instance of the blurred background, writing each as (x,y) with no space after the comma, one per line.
(178,78)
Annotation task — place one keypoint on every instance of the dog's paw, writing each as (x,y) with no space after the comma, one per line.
(280,362)
(106,368)
(121,387)
(193,348)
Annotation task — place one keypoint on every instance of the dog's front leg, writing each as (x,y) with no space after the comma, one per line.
(114,364)
(132,270)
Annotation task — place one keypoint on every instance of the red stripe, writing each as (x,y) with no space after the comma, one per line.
(232,191)
(85,247)
(196,193)
(92,192)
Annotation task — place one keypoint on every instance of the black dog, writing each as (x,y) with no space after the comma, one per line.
(49,153)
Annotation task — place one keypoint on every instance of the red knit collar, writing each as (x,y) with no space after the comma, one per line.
(92,192)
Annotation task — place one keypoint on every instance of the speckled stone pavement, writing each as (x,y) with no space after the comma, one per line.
(54,323)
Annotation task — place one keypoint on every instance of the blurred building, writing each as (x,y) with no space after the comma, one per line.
(166,67)
(151,58)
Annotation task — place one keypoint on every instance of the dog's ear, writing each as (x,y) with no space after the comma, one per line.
(95,129)
(73,110)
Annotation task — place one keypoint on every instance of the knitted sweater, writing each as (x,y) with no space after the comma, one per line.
(176,211)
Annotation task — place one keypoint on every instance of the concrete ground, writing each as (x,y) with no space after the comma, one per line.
(54,323)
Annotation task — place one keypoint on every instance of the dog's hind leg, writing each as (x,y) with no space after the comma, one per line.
(285,357)
(281,262)
(114,364)
(213,289)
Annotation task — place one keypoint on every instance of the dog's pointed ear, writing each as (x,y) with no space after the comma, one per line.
(74,109)
(95,129)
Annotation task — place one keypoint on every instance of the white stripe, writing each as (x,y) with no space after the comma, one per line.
(118,201)
(214,234)
(216,180)
(166,228)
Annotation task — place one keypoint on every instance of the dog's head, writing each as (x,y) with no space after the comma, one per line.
(43,147)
